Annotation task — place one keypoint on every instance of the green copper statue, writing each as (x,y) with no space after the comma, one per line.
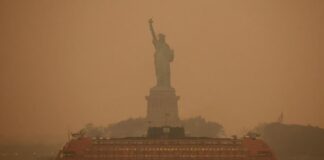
(162,58)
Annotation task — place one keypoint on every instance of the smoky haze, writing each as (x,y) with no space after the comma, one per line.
(64,64)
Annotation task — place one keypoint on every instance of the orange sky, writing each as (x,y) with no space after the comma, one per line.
(240,63)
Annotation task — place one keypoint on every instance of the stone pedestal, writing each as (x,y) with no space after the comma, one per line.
(162,107)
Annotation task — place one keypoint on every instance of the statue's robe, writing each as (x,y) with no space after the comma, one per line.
(162,58)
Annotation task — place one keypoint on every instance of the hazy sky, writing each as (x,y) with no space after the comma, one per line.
(240,63)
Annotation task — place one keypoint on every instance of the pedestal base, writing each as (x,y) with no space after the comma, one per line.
(162,107)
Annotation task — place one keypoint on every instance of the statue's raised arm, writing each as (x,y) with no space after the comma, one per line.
(152,30)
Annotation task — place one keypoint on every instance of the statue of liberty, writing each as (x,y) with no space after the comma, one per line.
(162,57)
